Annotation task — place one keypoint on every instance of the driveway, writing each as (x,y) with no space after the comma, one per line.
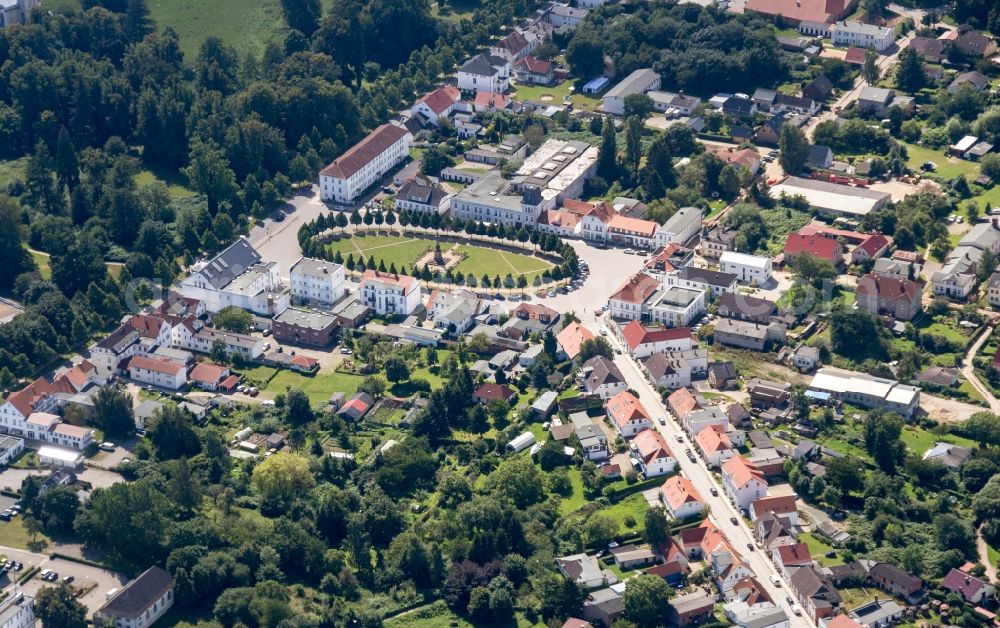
(278,241)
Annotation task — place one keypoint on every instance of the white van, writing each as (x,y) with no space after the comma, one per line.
(775,580)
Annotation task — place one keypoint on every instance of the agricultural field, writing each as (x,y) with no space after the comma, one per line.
(404,251)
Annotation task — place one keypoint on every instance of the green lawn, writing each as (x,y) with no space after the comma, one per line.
(919,440)
(576,500)
(947,167)
(13,534)
(993,555)
(175,183)
(404,251)
(319,387)
(455,10)
(818,550)
(634,506)
(991,196)
(10,170)
(554,94)
(42,262)
(855,597)
(435,615)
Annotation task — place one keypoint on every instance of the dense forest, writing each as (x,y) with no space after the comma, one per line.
(95,96)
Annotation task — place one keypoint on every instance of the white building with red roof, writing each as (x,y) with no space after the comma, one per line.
(815,246)
(871,248)
(578,219)
(644,341)
(628,231)
(628,415)
(364,164)
(40,396)
(681,498)
(157,371)
(789,558)
(208,376)
(627,302)
(389,294)
(714,445)
(653,453)
(434,106)
(896,296)
(743,482)
(779,505)
(534,71)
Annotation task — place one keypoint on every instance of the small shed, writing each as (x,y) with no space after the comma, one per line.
(521,443)
(59,457)
(543,405)
(595,86)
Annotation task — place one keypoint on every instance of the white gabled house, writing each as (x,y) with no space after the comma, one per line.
(653,453)
(386,293)
(743,482)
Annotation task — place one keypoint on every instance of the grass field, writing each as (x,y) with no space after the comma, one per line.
(455,10)
(818,550)
(247,25)
(42,262)
(12,169)
(13,534)
(405,251)
(575,500)
(535,93)
(919,440)
(175,183)
(947,167)
(319,387)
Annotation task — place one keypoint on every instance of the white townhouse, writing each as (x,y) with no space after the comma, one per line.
(110,351)
(653,454)
(645,341)
(204,339)
(681,227)
(749,269)
(140,602)
(237,277)
(862,35)
(681,498)
(386,293)
(364,164)
(484,73)
(157,371)
(317,281)
(434,106)
(743,482)
(423,195)
(638,82)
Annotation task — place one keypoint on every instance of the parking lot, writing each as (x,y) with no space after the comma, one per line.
(93,581)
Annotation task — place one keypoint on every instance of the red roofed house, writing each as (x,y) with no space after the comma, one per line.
(897,297)
(38,396)
(628,415)
(208,376)
(681,402)
(682,500)
(357,406)
(157,371)
(437,104)
(570,339)
(655,457)
(788,558)
(793,12)
(816,246)
(633,231)
(532,71)
(972,589)
(386,293)
(855,55)
(750,591)
(743,482)
(152,328)
(81,375)
(841,621)
(715,446)
(364,164)
(748,158)
(488,101)
(488,392)
(626,302)
(673,562)
(592,219)
(644,341)
(782,506)
(872,248)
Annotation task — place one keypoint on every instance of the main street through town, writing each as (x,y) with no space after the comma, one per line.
(721,509)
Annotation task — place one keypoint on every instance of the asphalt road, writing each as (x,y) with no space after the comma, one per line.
(721,509)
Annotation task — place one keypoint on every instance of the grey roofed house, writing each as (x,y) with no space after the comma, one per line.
(982,236)
(876,94)
(976,81)
(764,96)
(232,262)
(760,439)
(760,617)
(819,89)
(682,220)
(145,410)
(703,275)
(119,339)
(483,65)
(746,329)
(809,582)
(137,596)
(745,307)
(819,156)
(951,456)
(877,613)
(722,371)
(939,376)
(543,405)
(423,191)
(582,568)
(739,107)
(795,102)
(601,371)
(632,84)
(696,123)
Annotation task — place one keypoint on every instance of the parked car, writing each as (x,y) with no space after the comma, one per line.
(346,351)
(107,446)
(733,521)
(714,491)
(68,579)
